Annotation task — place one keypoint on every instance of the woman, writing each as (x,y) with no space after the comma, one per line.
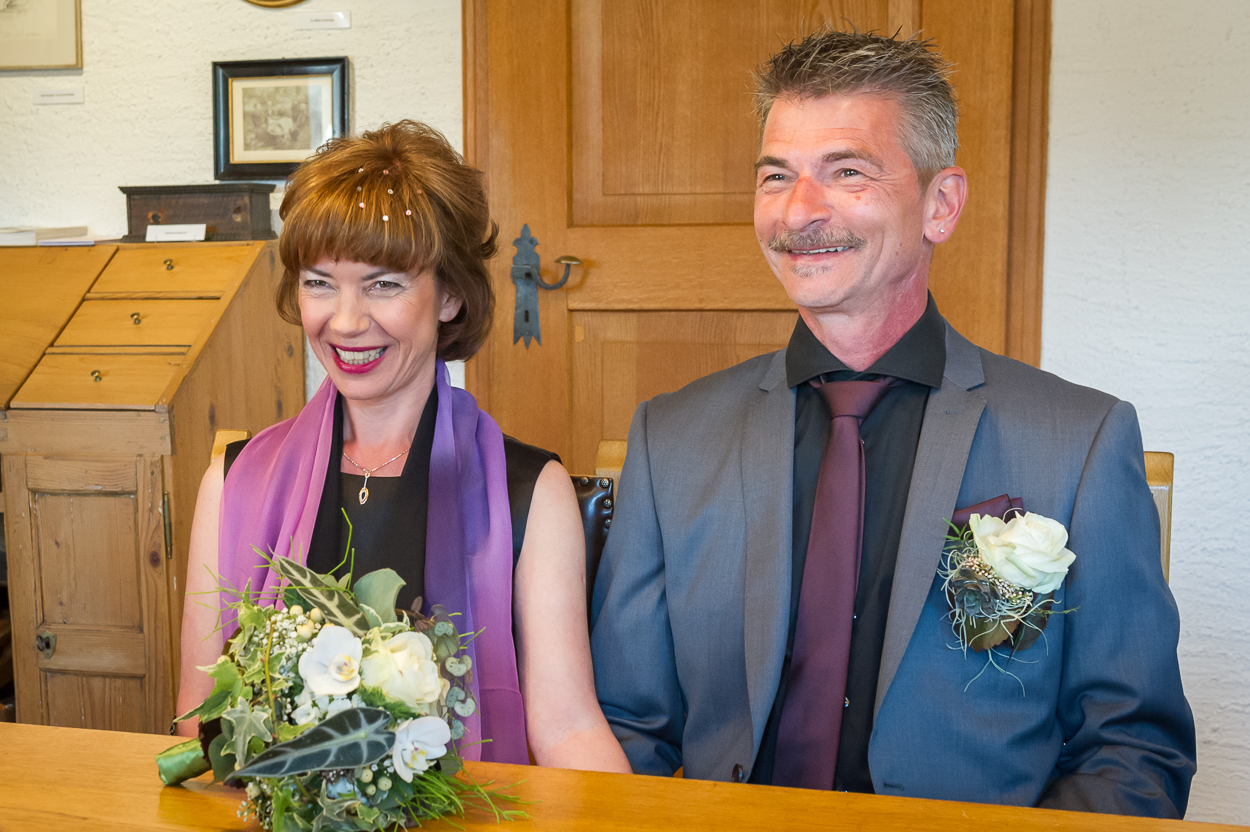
(383,245)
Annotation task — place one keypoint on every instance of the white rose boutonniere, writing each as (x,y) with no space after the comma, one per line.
(1027,551)
(1000,576)
(331,666)
(403,668)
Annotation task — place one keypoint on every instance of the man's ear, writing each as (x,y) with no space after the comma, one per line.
(944,202)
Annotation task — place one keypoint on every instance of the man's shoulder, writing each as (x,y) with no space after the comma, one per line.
(1018,386)
(724,391)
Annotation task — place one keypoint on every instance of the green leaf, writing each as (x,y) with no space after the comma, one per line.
(349,739)
(226,688)
(325,594)
(282,803)
(244,725)
(223,765)
(371,615)
(287,731)
(379,590)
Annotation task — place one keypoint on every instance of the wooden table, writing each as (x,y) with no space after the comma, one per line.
(73,779)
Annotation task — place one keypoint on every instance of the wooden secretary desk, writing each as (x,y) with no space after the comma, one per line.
(117,365)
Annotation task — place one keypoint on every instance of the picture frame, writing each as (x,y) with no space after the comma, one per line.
(40,34)
(268,116)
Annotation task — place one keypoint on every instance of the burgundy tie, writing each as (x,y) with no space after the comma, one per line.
(811,717)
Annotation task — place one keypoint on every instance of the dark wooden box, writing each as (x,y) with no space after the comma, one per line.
(232,211)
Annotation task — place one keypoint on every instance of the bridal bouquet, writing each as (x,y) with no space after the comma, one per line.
(335,713)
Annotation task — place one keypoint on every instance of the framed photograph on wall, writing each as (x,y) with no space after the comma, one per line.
(40,34)
(268,116)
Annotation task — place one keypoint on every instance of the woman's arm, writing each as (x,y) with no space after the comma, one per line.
(566,728)
(199,613)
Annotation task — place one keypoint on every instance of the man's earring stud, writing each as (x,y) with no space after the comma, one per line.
(941,230)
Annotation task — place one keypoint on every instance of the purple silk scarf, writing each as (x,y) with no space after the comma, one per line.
(271,497)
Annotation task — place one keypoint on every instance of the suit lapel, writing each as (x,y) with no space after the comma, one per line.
(950,424)
(767,479)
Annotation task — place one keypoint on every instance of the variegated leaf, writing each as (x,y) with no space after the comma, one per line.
(349,739)
(330,598)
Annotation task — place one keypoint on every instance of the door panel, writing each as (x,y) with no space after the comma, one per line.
(623,358)
(98,584)
(621,133)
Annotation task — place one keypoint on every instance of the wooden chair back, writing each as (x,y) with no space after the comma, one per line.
(1159,478)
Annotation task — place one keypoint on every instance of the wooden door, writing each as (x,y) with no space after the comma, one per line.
(87,566)
(620,132)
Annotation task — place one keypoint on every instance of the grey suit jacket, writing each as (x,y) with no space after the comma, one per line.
(691,603)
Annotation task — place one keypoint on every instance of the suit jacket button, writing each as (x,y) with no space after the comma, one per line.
(739,775)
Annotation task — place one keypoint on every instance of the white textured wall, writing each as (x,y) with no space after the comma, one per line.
(1147,296)
(147,82)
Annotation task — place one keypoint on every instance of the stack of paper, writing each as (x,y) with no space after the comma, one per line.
(30,235)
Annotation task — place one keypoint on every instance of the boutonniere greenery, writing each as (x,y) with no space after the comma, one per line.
(335,713)
(1000,577)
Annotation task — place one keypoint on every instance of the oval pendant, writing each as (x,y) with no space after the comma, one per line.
(364,495)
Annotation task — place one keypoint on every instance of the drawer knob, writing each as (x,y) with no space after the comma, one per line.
(169,264)
(135,318)
(95,376)
(45,643)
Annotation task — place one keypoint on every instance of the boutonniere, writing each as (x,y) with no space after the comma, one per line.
(1000,575)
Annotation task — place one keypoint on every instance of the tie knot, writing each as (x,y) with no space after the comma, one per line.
(853,398)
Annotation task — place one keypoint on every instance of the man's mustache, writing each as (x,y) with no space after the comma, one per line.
(827,238)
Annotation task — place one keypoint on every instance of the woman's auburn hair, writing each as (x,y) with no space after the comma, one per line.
(400,198)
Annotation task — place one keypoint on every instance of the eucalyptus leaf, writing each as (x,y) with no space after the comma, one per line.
(325,594)
(379,589)
(349,739)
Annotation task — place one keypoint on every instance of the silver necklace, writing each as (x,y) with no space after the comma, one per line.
(364,489)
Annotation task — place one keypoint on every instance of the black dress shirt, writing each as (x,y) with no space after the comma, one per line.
(891,434)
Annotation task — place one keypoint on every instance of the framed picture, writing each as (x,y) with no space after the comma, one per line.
(40,34)
(268,116)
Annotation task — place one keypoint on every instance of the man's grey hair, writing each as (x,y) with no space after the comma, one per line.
(830,62)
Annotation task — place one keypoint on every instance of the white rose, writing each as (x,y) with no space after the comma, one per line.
(1027,551)
(403,668)
(331,664)
(418,742)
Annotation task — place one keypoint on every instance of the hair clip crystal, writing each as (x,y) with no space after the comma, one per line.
(362,205)
(385,218)
(408,213)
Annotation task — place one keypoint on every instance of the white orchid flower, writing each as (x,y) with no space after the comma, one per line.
(331,665)
(418,742)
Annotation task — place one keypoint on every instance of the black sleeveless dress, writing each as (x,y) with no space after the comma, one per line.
(388,530)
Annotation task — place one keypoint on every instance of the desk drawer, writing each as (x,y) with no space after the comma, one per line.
(173,272)
(141,322)
(96,381)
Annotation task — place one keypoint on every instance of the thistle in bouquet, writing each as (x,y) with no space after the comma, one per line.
(335,712)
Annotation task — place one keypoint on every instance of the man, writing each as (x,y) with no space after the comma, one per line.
(724,639)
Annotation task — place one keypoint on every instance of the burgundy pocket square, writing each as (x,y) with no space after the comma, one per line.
(994,507)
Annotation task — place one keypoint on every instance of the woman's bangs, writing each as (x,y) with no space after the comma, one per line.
(360,225)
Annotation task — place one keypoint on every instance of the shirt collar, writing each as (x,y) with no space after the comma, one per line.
(919,356)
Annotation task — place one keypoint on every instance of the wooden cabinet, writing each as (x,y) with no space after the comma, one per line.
(104,437)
